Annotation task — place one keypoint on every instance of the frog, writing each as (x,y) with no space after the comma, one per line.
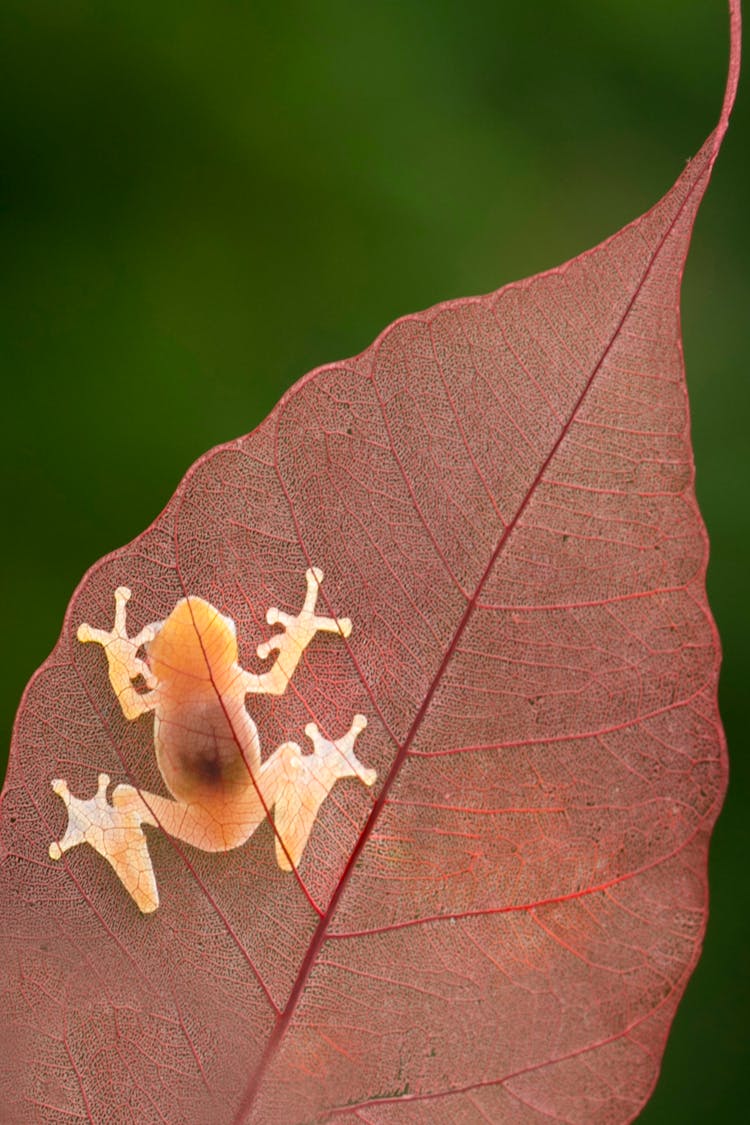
(185,671)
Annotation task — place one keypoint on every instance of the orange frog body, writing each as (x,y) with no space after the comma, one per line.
(206,744)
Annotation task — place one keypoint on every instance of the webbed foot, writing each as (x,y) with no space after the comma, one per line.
(299,630)
(339,757)
(307,780)
(114,831)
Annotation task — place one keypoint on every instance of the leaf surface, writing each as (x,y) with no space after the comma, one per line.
(500,493)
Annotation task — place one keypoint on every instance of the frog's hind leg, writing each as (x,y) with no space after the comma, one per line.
(211,825)
(115,830)
(306,780)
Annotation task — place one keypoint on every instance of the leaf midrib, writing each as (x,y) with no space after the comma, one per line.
(284,1019)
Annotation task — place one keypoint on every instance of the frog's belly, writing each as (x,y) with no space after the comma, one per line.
(199,756)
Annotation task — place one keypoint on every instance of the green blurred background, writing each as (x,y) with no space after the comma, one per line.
(204,200)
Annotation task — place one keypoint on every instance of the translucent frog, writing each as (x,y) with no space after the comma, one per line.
(186,671)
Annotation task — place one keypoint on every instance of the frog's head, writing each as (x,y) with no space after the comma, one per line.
(195,651)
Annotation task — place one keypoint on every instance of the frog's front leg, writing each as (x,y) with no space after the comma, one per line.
(123,661)
(297,634)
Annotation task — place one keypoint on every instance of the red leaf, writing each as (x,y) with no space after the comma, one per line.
(500,493)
